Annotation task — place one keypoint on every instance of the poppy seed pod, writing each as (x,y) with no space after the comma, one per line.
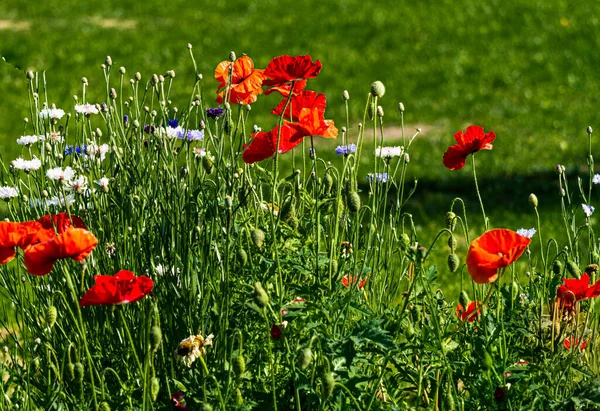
(573,269)
(557,267)
(242,256)
(533,200)
(371,110)
(155,337)
(50,316)
(453,262)
(258,237)
(304,358)
(154,388)
(328,384)
(353,201)
(377,89)
(239,366)
(260,295)
(450,220)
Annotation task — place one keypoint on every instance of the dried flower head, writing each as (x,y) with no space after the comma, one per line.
(192,347)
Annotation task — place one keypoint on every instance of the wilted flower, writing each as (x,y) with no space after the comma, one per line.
(526,232)
(388,152)
(26,165)
(192,348)
(6,193)
(52,113)
(86,109)
(587,210)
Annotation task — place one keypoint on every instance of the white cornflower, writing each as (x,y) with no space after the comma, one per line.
(200,152)
(78,185)
(524,232)
(103,183)
(86,109)
(27,140)
(587,209)
(389,152)
(174,132)
(26,165)
(596,179)
(61,201)
(58,173)
(192,348)
(93,150)
(6,193)
(53,113)
(53,137)
(159,270)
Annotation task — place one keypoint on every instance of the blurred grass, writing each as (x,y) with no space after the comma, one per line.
(527,70)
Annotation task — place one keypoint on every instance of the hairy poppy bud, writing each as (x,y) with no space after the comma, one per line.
(346,95)
(208,164)
(103,406)
(371,110)
(154,388)
(258,237)
(78,372)
(573,269)
(450,220)
(595,257)
(207,407)
(50,316)
(328,384)
(453,262)
(488,363)
(239,400)
(533,200)
(239,366)
(377,89)
(353,201)
(242,256)
(260,295)
(327,183)
(70,371)
(449,404)
(304,358)
(464,299)
(155,337)
(452,243)
(557,267)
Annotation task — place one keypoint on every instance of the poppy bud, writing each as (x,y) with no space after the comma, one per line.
(239,400)
(207,407)
(589,129)
(304,358)
(327,183)
(103,406)
(155,337)
(450,220)
(573,269)
(334,266)
(453,262)
(50,316)
(488,363)
(346,95)
(533,201)
(499,394)
(353,201)
(258,237)
(371,110)
(557,267)
(239,366)
(154,388)
(449,404)
(242,256)
(464,299)
(377,89)
(328,384)
(208,164)
(595,257)
(70,371)
(78,372)
(276,332)
(452,243)
(260,295)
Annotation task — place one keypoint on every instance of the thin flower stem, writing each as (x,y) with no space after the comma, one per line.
(485,220)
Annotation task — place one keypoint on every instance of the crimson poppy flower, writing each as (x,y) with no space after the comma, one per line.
(276,332)
(285,69)
(473,140)
(178,401)
(575,289)
(568,342)
(263,144)
(285,89)
(13,234)
(122,288)
(495,249)
(464,314)
(74,243)
(54,224)
(347,279)
(246,81)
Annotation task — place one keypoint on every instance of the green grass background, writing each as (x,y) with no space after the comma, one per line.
(528,70)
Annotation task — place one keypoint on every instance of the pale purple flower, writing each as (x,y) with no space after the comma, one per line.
(526,232)
(345,150)
(6,193)
(587,210)
(379,177)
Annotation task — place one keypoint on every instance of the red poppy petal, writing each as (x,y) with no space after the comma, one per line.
(260,148)
(6,254)
(455,158)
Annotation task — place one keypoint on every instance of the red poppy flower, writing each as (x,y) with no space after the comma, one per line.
(464,314)
(54,224)
(179,401)
(74,243)
(122,288)
(308,110)
(276,332)
(495,249)
(14,235)
(246,82)
(285,69)
(285,89)
(263,144)
(347,279)
(473,140)
(568,342)
(575,289)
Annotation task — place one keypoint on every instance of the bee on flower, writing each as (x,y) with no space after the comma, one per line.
(192,347)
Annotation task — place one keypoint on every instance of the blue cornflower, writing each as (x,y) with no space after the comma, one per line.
(195,135)
(173,123)
(125,119)
(345,150)
(379,177)
(214,113)
(80,149)
(69,150)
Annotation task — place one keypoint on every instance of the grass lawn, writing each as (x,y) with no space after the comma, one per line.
(526,70)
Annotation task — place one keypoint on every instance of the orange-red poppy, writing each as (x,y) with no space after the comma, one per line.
(463,314)
(495,249)
(473,140)
(283,70)
(308,110)
(575,289)
(74,243)
(263,144)
(285,89)
(246,81)
(122,288)
(353,279)
(568,342)
(54,224)
(14,235)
